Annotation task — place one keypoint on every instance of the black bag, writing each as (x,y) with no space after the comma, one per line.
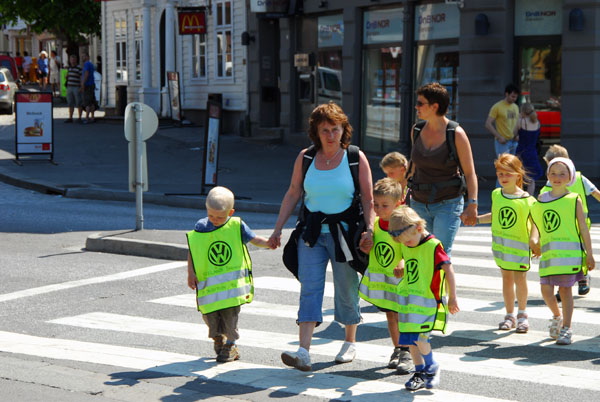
(360,260)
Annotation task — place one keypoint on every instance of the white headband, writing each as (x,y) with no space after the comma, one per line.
(569,164)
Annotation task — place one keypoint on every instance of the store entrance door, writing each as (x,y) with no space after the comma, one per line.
(539,77)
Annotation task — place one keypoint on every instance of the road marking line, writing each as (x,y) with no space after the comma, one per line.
(323,385)
(91,281)
(550,374)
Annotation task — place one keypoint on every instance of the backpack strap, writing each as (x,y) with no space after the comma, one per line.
(451,143)
(353,162)
(309,155)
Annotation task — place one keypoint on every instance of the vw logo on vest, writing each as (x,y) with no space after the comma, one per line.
(219,253)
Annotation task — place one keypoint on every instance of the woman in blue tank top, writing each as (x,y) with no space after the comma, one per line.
(328,190)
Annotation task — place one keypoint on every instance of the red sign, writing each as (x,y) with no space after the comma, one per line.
(192,22)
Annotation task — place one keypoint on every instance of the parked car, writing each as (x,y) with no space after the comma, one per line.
(7,61)
(8,87)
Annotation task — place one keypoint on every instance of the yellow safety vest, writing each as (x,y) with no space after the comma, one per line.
(420,309)
(510,231)
(379,286)
(223,267)
(578,188)
(562,252)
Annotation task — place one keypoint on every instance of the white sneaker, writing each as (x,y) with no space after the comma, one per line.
(347,353)
(299,359)
(555,325)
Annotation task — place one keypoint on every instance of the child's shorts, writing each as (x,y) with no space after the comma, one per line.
(411,338)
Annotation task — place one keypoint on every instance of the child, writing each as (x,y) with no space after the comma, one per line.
(423,308)
(510,233)
(559,230)
(218,266)
(583,187)
(380,282)
(394,165)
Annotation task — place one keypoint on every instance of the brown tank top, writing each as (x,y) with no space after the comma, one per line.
(433,166)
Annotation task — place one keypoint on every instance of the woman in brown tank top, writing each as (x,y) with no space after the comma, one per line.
(437,194)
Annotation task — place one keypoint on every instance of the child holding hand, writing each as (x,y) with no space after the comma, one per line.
(510,238)
(560,229)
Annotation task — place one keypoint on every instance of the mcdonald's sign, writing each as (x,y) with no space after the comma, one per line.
(192,22)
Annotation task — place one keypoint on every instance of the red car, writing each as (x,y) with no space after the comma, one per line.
(10,63)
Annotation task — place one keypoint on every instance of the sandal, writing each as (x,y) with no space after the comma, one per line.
(508,323)
(522,323)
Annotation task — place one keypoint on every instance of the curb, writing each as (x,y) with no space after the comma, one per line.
(141,248)
(32,185)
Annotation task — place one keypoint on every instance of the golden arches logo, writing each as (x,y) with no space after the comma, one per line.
(191,23)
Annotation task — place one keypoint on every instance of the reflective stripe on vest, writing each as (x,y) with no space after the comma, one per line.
(421,310)
(560,241)
(379,286)
(222,266)
(578,188)
(510,231)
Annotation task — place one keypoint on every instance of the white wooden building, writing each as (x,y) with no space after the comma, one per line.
(141,42)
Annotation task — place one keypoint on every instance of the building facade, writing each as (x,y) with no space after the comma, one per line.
(370,57)
(143,40)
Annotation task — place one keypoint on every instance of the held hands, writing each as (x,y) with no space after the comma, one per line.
(469,215)
(536,250)
(399,272)
(275,239)
(366,242)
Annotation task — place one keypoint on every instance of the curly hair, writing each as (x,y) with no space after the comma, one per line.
(333,114)
(435,92)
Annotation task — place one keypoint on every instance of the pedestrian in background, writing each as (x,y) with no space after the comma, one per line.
(54,73)
(223,281)
(26,67)
(73,87)
(562,240)
(331,208)
(502,122)
(88,87)
(395,165)
(529,133)
(19,62)
(42,69)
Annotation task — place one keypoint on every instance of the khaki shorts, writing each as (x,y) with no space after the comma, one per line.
(73,97)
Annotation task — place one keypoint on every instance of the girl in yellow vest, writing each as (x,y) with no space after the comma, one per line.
(428,274)
(557,237)
(510,234)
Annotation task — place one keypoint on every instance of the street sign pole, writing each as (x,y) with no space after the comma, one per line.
(139,163)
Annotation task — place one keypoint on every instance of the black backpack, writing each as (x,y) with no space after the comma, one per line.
(452,157)
(361,260)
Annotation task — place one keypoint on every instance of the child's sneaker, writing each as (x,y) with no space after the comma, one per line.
(299,359)
(584,285)
(394,358)
(555,324)
(416,382)
(219,343)
(432,376)
(228,353)
(347,353)
(564,338)
(405,363)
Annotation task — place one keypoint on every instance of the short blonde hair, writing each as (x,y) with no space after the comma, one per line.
(393,159)
(405,217)
(220,199)
(387,187)
(556,151)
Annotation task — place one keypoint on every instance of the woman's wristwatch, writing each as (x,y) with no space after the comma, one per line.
(471,201)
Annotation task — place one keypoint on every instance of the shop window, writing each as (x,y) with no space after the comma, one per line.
(138,46)
(223,35)
(382,68)
(329,76)
(121,49)
(199,56)
(436,64)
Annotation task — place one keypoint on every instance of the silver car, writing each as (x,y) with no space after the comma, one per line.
(8,87)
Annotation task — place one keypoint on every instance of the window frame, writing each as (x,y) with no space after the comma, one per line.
(223,29)
(120,45)
(138,46)
(197,57)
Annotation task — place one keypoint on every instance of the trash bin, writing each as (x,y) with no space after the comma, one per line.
(120,99)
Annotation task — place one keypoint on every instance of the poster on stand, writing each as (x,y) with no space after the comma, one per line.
(174,95)
(34,124)
(211,144)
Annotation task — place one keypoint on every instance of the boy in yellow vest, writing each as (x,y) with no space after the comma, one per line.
(380,282)
(220,270)
(423,308)
(394,165)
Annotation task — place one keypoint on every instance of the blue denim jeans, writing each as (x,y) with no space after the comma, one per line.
(442,218)
(312,266)
(510,147)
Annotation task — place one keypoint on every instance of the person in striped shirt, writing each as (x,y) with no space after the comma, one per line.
(73,84)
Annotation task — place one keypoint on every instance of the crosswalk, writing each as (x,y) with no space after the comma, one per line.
(478,361)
